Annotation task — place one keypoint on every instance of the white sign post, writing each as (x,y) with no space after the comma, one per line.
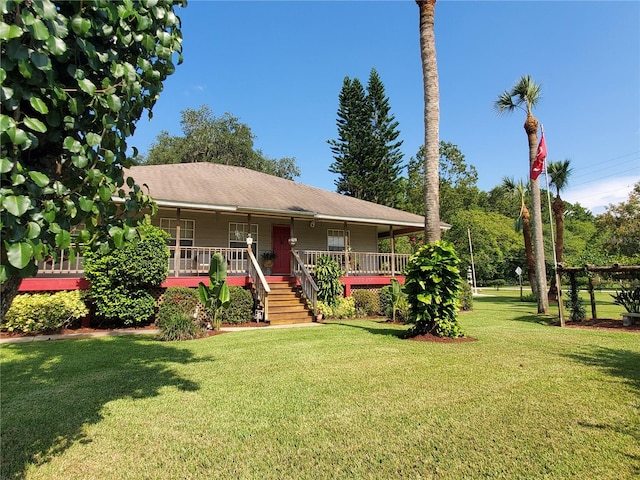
(519,273)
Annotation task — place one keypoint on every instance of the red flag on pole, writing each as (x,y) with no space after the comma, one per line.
(538,163)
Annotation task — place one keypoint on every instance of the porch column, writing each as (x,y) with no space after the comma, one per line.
(346,249)
(392,239)
(292,234)
(176,254)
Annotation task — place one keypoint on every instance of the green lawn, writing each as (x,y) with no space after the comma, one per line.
(342,400)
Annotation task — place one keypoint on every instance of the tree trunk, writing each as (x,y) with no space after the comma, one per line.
(531,127)
(528,249)
(8,291)
(431,121)
(558,213)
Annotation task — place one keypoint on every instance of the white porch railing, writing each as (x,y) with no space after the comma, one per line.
(259,282)
(64,265)
(196,260)
(360,263)
(308,285)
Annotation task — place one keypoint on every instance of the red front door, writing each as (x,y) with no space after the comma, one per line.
(280,243)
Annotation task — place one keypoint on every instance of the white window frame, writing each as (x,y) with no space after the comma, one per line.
(186,225)
(335,240)
(238,232)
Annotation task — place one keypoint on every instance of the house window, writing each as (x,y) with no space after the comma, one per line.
(187,234)
(238,233)
(335,240)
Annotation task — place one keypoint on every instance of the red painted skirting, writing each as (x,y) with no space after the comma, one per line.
(43,284)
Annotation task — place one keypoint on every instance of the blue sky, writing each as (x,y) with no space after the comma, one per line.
(278,66)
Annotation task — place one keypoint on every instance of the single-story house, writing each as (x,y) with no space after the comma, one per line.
(247,216)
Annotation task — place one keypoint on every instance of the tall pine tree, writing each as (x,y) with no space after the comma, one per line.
(366,154)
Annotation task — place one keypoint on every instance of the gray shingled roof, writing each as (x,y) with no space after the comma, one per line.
(210,186)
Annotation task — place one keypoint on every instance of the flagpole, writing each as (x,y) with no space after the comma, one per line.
(553,246)
(473,267)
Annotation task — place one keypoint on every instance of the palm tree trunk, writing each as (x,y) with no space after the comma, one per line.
(558,213)
(431,120)
(531,127)
(528,249)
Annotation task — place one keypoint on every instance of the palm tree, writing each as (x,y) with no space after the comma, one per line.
(523,223)
(525,95)
(431,121)
(559,172)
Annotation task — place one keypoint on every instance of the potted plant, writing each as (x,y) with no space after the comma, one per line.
(267,260)
(629,298)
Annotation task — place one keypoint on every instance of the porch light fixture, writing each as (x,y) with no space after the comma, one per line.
(249,240)
(293,241)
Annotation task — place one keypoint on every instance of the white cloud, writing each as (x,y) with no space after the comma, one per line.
(599,194)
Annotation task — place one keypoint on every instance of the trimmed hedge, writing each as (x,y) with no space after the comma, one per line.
(44,313)
(240,309)
(367,302)
(176,300)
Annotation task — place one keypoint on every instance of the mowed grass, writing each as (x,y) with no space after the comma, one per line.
(341,400)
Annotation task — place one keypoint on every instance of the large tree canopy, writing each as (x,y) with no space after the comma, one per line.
(224,139)
(75,76)
(457,183)
(366,153)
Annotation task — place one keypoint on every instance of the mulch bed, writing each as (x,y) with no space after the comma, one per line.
(602,324)
(434,338)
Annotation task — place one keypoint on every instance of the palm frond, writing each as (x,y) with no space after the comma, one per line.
(527,91)
(504,103)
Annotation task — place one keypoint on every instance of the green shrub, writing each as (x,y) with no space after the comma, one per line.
(179,326)
(178,300)
(122,280)
(466,297)
(367,302)
(126,307)
(386,305)
(240,309)
(629,298)
(328,275)
(344,307)
(432,285)
(43,312)
(574,303)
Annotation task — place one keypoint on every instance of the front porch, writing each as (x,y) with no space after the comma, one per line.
(360,268)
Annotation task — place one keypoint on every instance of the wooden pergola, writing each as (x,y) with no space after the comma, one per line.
(623,271)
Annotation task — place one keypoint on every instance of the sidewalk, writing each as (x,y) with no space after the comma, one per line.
(118,333)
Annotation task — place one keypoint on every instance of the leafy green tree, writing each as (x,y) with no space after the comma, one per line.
(76,76)
(526,94)
(457,188)
(366,153)
(497,249)
(431,119)
(620,227)
(224,139)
